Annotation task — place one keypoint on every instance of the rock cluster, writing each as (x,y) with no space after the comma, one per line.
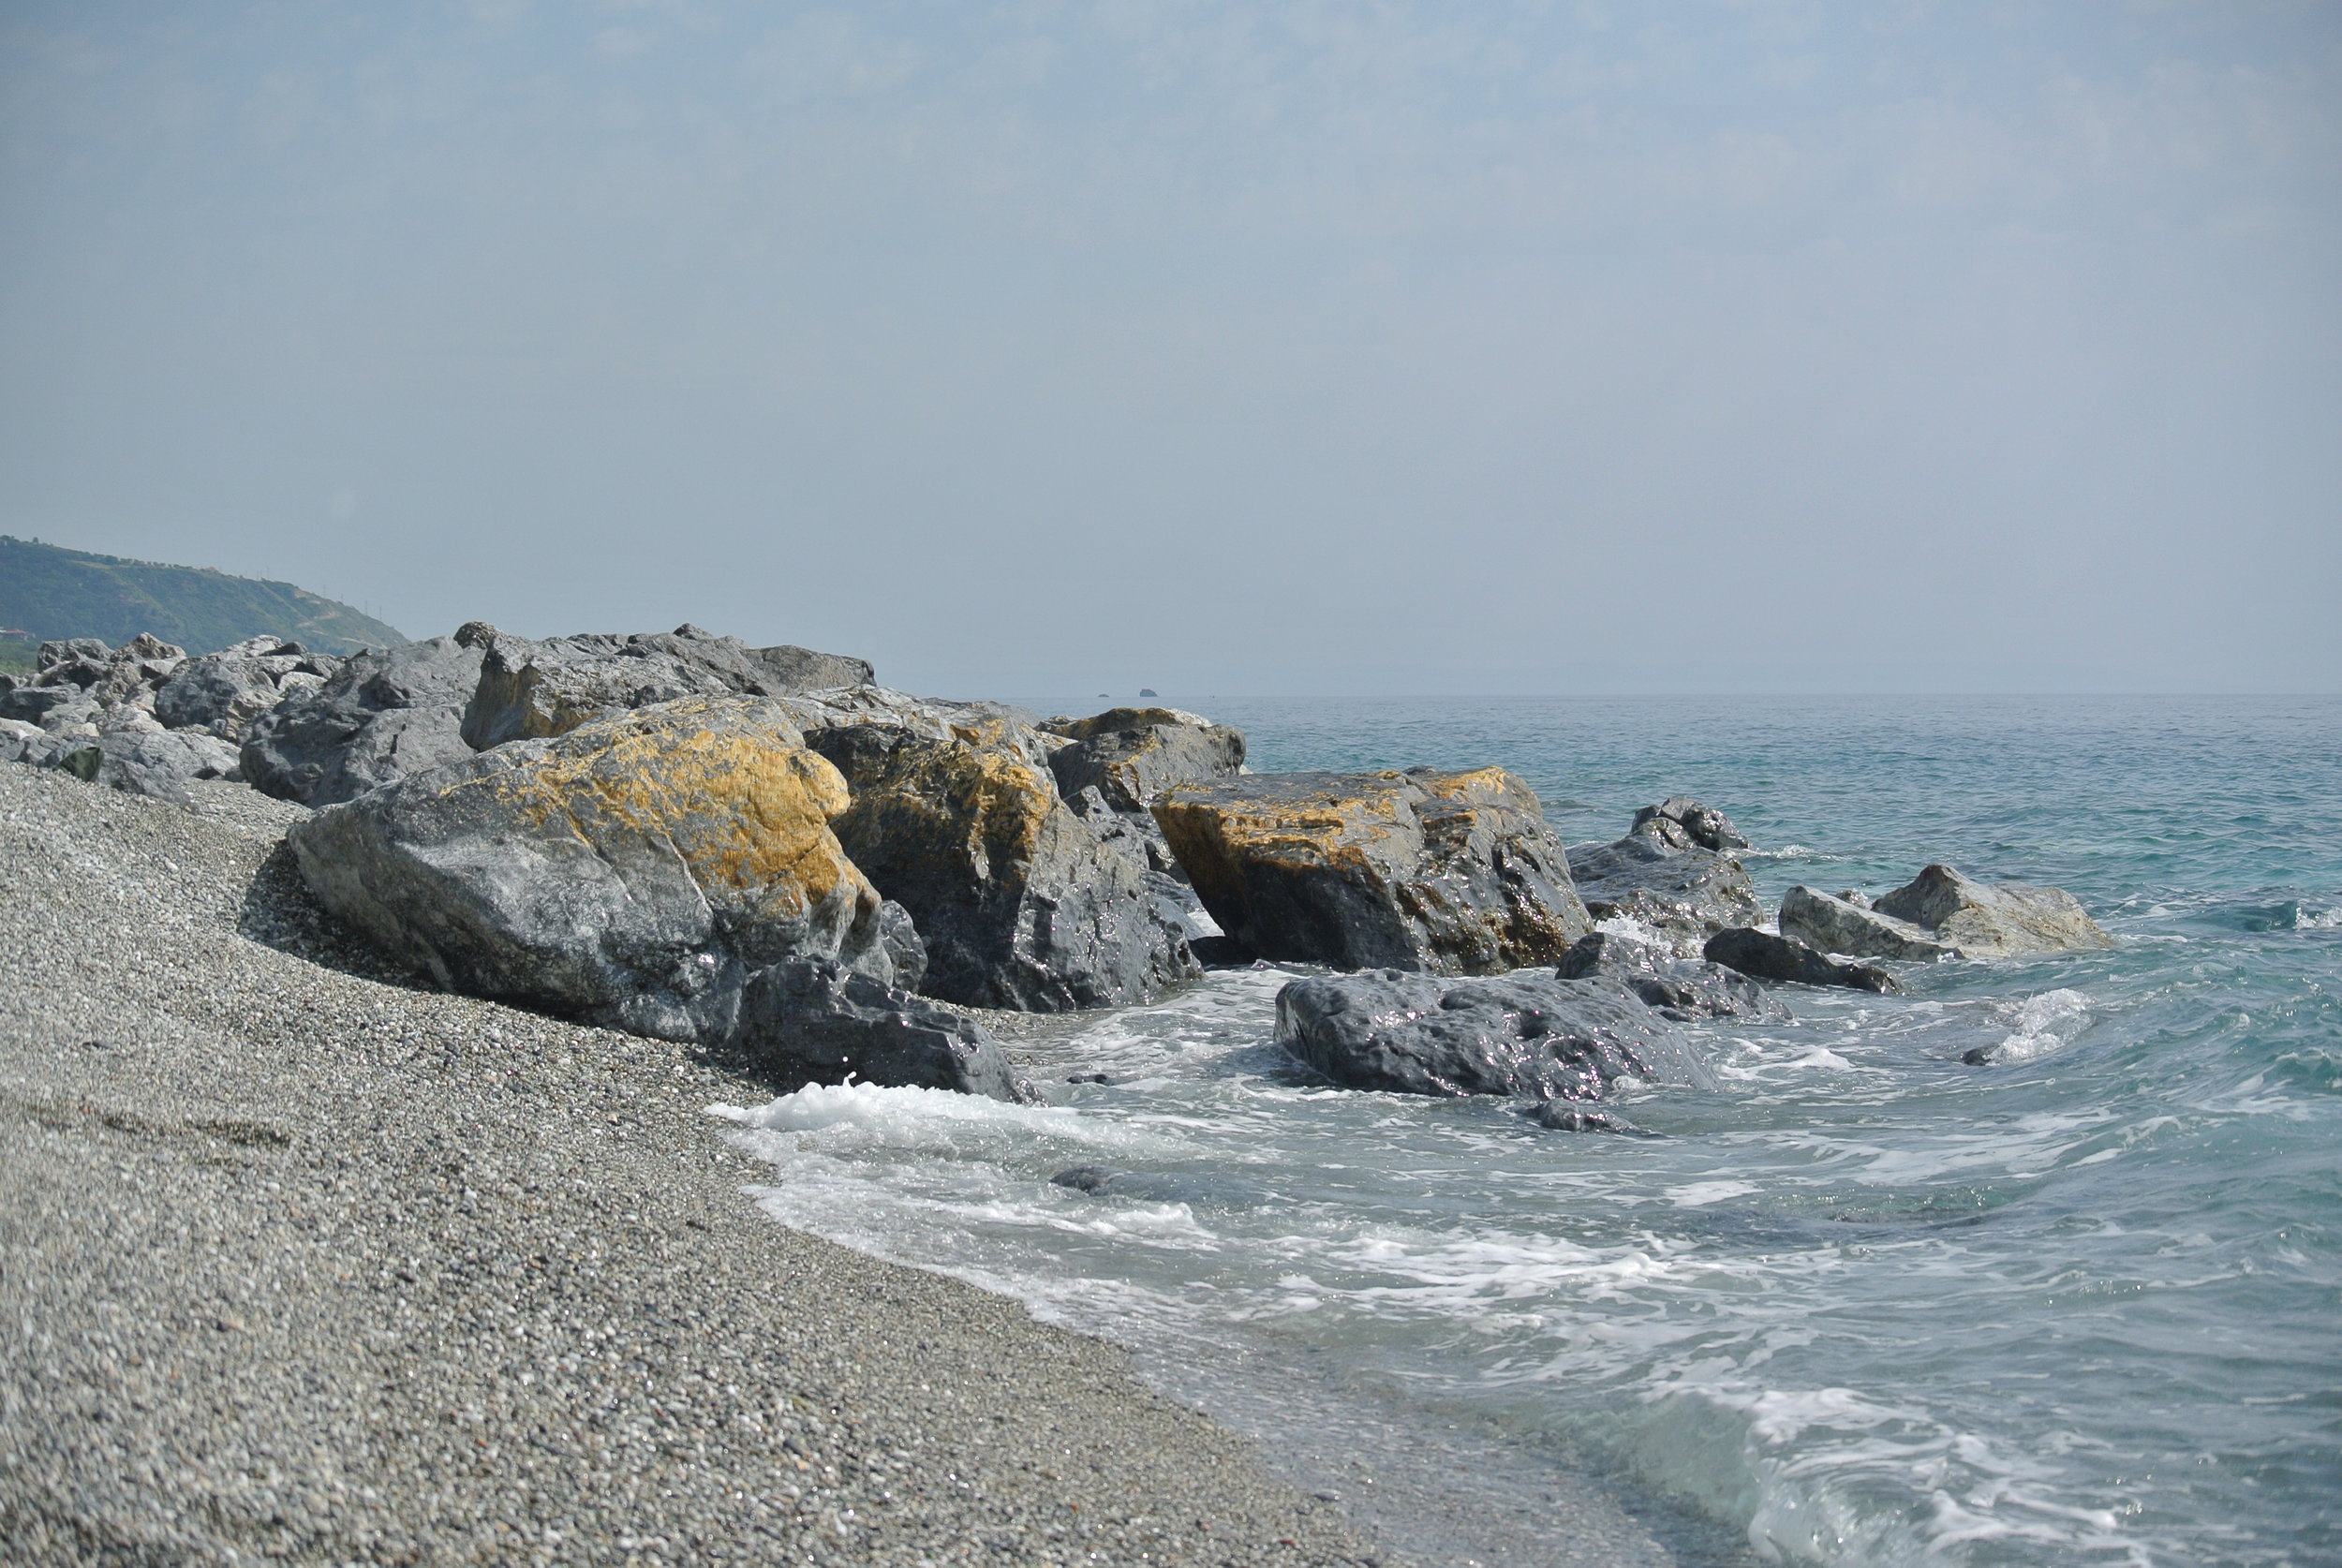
(145,718)
(1942,914)
(1673,875)
(766,853)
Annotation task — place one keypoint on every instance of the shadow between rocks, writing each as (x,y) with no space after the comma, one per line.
(279,911)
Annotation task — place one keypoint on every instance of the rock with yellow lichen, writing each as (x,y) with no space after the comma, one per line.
(1021,903)
(1433,871)
(641,871)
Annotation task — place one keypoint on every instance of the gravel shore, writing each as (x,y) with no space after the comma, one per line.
(298,1263)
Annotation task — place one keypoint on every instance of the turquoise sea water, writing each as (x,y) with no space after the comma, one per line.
(1863,1303)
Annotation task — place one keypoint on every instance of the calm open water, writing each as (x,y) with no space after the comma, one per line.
(1864,1304)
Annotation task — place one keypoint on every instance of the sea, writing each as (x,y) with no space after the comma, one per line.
(1864,1303)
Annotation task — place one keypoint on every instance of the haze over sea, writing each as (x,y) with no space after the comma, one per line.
(1864,1304)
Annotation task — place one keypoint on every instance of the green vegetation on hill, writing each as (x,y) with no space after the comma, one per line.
(51,593)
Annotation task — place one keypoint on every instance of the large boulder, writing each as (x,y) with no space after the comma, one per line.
(814,1020)
(1132,755)
(1682,989)
(1767,956)
(382,714)
(1996,921)
(1680,894)
(530,689)
(1020,904)
(633,873)
(1449,873)
(1839,924)
(1531,1037)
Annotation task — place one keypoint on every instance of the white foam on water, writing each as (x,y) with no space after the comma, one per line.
(1787,851)
(2038,1024)
(1699,1193)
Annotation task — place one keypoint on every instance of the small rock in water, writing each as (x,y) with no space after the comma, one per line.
(2000,920)
(1830,924)
(1563,1117)
(1088,1078)
(1085,1178)
(1770,957)
(1146,691)
(1526,1035)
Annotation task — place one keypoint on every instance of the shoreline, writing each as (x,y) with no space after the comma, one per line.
(302,1264)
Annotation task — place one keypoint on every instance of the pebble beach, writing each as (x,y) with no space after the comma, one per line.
(300,1262)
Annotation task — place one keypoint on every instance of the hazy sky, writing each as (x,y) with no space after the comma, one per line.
(1708,346)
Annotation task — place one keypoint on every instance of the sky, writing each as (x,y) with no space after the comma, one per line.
(1696,345)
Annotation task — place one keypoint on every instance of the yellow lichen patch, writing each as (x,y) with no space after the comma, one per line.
(745,805)
(1472,785)
(1326,828)
(984,808)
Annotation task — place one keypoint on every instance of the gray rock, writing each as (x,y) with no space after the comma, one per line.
(1529,1036)
(1136,834)
(1682,895)
(1682,989)
(533,690)
(813,1020)
(1132,755)
(18,740)
(51,656)
(2001,920)
(158,765)
(1841,925)
(32,702)
(794,669)
(906,950)
(633,873)
(1020,904)
(1684,823)
(1770,957)
(1449,873)
(380,716)
(221,693)
(77,714)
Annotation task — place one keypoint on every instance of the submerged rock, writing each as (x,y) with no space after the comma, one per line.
(1531,1037)
(1449,873)
(1996,921)
(630,873)
(1020,904)
(383,715)
(1681,894)
(1838,924)
(1678,989)
(1770,957)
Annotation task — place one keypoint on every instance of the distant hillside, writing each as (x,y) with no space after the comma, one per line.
(54,593)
